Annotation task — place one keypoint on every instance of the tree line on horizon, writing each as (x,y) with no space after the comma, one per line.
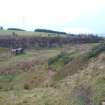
(36,30)
(47,31)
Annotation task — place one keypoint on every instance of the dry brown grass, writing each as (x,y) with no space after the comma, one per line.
(80,82)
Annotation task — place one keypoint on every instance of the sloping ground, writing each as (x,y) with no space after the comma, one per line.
(87,87)
(84,84)
(21,33)
(31,69)
(80,62)
(37,96)
(26,39)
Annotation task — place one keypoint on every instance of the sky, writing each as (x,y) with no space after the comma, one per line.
(72,16)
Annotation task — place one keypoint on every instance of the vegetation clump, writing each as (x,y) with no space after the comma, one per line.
(61,59)
(95,51)
(15,29)
(26,86)
(49,31)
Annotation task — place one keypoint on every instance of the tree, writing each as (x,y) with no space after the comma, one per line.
(1,28)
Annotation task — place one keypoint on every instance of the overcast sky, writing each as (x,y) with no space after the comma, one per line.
(74,16)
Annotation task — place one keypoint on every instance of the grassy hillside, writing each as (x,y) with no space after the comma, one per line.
(27,33)
(69,75)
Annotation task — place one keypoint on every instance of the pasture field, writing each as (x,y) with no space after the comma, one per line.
(28,33)
(53,76)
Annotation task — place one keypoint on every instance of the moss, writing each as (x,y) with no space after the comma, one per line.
(6,78)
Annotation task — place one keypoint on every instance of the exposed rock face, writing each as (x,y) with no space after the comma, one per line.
(36,42)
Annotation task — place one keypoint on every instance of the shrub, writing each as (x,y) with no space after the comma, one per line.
(56,58)
(95,51)
(1,87)
(60,60)
(26,86)
(67,59)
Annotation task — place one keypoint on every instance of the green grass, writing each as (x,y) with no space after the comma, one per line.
(6,78)
(28,33)
(5,82)
(29,68)
(38,96)
(99,88)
